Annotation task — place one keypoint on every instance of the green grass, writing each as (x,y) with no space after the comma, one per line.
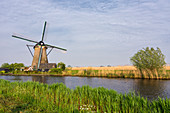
(74,71)
(34,97)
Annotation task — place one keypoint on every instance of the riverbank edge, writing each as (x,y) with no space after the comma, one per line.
(60,75)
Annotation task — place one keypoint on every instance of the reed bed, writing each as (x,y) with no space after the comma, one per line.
(28,97)
(118,72)
(106,68)
(109,72)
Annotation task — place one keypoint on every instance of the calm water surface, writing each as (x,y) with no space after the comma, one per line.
(147,88)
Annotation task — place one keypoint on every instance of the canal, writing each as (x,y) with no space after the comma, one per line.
(150,89)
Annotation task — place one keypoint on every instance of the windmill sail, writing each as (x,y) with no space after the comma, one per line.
(40,55)
(44,31)
(24,39)
(41,44)
(56,47)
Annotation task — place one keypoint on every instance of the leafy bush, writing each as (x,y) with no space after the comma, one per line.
(56,70)
(2,72)
(150,61)
(61,65)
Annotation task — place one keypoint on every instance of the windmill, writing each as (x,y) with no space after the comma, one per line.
(40,54)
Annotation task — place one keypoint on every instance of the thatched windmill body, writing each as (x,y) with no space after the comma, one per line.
(40,53)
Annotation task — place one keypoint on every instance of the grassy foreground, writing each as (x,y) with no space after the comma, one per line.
(36,97)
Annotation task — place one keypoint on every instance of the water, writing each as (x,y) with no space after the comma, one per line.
(147,88)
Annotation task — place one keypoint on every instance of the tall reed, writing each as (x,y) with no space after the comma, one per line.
(37,97)
(119,71)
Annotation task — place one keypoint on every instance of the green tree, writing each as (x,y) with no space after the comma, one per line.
(149,60)
(61,65)
(56,70)
(13,66)
(5,65)
(17,66)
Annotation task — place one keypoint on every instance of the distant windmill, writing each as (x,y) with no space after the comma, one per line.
(40,55)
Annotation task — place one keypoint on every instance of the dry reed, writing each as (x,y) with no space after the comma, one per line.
(118,71)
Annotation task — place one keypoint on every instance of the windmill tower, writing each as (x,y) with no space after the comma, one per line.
(40,53)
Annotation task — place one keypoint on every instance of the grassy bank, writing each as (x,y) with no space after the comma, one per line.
(34,97)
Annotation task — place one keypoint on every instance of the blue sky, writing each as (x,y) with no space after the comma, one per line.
(95,32)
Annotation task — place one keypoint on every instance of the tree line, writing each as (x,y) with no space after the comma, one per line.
(17,67)
(13,66)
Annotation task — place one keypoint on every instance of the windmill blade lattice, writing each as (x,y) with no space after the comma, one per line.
(41,44)
(43,31)
(24,39)
(40,55)
(56,47)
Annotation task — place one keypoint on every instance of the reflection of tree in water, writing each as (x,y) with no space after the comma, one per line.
(52,80)
(149,88)
(17,78)
(41,79)
(89,81)
(48,79)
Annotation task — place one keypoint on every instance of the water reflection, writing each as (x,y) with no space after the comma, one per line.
(52,80)
(48,80)
(147,88)
(150,88)
(17,78)
(40,79)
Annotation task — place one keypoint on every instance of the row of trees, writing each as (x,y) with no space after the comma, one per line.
(17,66)
(13,66)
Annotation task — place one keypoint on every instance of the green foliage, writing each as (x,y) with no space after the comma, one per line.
(56,70)
(34,97)
(5,65)
(2,72)
(61,65)
(73,72)
(149,60)
(13,66)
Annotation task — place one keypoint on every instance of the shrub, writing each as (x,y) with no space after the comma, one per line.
(61,65)
(56,70)
(150,61)
(2,72)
